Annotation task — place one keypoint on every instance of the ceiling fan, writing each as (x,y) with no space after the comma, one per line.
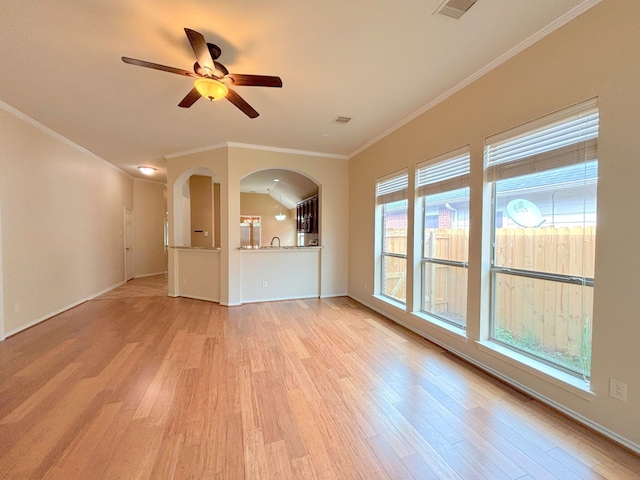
(212,79)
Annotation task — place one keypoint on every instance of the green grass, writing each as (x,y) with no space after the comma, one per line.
(528,342)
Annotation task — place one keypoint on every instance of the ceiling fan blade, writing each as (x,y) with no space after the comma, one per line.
(157,66)
(200,48)
(255,80)
(240,102)
(191,98)
(221,69)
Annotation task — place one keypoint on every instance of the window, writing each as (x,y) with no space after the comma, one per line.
(443,186)
(544,177)
(250,231)
(391,201)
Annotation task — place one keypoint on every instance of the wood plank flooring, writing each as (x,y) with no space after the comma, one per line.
(135,384)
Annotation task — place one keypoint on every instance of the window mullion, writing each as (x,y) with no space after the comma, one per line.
(442,261)
(555,277)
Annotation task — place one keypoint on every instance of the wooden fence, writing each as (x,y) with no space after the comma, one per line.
(552,314)
(448,296)
(395,269)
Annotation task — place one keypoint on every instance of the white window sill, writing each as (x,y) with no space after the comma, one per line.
(573,384)
(458,333)
(391,301)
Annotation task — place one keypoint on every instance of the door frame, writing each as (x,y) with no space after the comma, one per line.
(126,276)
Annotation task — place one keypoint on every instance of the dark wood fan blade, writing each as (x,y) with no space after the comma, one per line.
(157,66)
(200,48)
(240,102)
(255,80)
(221,68)
(191,98)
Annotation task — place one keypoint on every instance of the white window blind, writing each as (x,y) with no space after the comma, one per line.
(392,188)
(444,173)
(563,138)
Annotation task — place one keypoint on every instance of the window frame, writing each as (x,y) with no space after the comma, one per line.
(446,178)
(384,254)
(251,220)
(560,157)
(389,189)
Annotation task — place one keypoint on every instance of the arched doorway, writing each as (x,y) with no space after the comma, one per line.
(196,209)
(269,198)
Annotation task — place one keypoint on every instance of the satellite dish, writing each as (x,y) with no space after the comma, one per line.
(524,213)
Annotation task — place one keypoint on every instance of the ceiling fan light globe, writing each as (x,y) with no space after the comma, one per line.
(211,89)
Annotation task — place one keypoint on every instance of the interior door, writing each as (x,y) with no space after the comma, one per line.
(128,244)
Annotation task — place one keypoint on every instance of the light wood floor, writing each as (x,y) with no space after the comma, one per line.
(138,385)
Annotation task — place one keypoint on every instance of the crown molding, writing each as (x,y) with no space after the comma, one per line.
(512,52)
(287,150)
(195,150)
(249,146)
(62,139)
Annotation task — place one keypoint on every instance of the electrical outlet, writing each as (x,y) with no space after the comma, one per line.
(264,284)
(618,389)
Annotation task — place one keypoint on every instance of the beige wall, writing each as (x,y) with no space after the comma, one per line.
(201,274)
(149,211)
(596,55)
(267,208)
(230,165)
(210,163)
(331,176)
(269,275)
(62,222)
(201,189)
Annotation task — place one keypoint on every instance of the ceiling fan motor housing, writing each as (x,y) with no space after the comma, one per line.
(219,72)
(214,50)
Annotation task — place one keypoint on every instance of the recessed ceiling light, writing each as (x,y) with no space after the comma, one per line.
(147,170)
(276,179)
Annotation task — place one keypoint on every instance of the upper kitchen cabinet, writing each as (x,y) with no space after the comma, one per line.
(307,220)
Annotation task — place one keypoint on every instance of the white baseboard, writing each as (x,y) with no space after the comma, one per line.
(335,295)
(196,297)
(63,309)
(625,442)
(279,299)
(150,274)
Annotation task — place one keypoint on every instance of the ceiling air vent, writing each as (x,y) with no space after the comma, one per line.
(341,120)
(455,8)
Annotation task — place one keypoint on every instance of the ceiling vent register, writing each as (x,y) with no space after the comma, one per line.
(455,8)
(341,120)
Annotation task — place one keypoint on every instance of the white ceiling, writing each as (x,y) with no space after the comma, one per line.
(377,61)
